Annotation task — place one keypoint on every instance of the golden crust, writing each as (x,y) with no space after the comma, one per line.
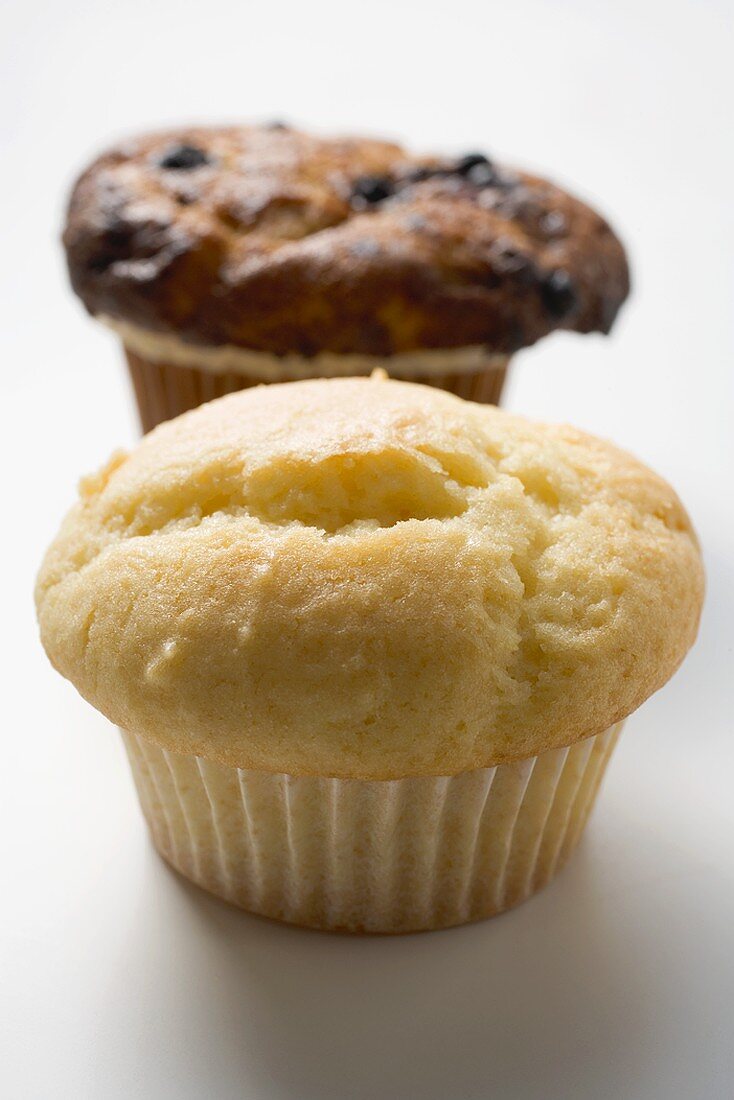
(367,578)
(271,239)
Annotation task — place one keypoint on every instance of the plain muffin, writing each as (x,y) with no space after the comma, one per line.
(230,256)
(370,645)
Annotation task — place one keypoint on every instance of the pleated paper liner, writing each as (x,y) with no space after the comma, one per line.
(163,391)
(370,856)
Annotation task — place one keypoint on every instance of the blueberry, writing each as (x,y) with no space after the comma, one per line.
(465,164)
(482,175)
(553,224)
(372,189)
(184,157)
(558,293)
(511,262)
(477,169)
(506,259)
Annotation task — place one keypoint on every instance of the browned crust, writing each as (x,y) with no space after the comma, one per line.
(271,239)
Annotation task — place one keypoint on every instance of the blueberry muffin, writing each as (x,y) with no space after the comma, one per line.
(370,645)
(226,257)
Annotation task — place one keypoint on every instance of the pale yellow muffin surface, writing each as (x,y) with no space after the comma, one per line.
(369,579)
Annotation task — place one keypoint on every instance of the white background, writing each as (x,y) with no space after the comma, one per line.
(118,980)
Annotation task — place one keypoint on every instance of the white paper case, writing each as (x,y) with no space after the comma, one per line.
(370,856)
(165,390)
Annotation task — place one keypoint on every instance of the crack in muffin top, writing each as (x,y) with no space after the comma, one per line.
(274,240)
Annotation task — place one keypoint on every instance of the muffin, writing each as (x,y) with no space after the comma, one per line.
(234,256)
(370,645)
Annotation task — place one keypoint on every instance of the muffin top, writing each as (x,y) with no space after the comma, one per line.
(368,578)
(270,239)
